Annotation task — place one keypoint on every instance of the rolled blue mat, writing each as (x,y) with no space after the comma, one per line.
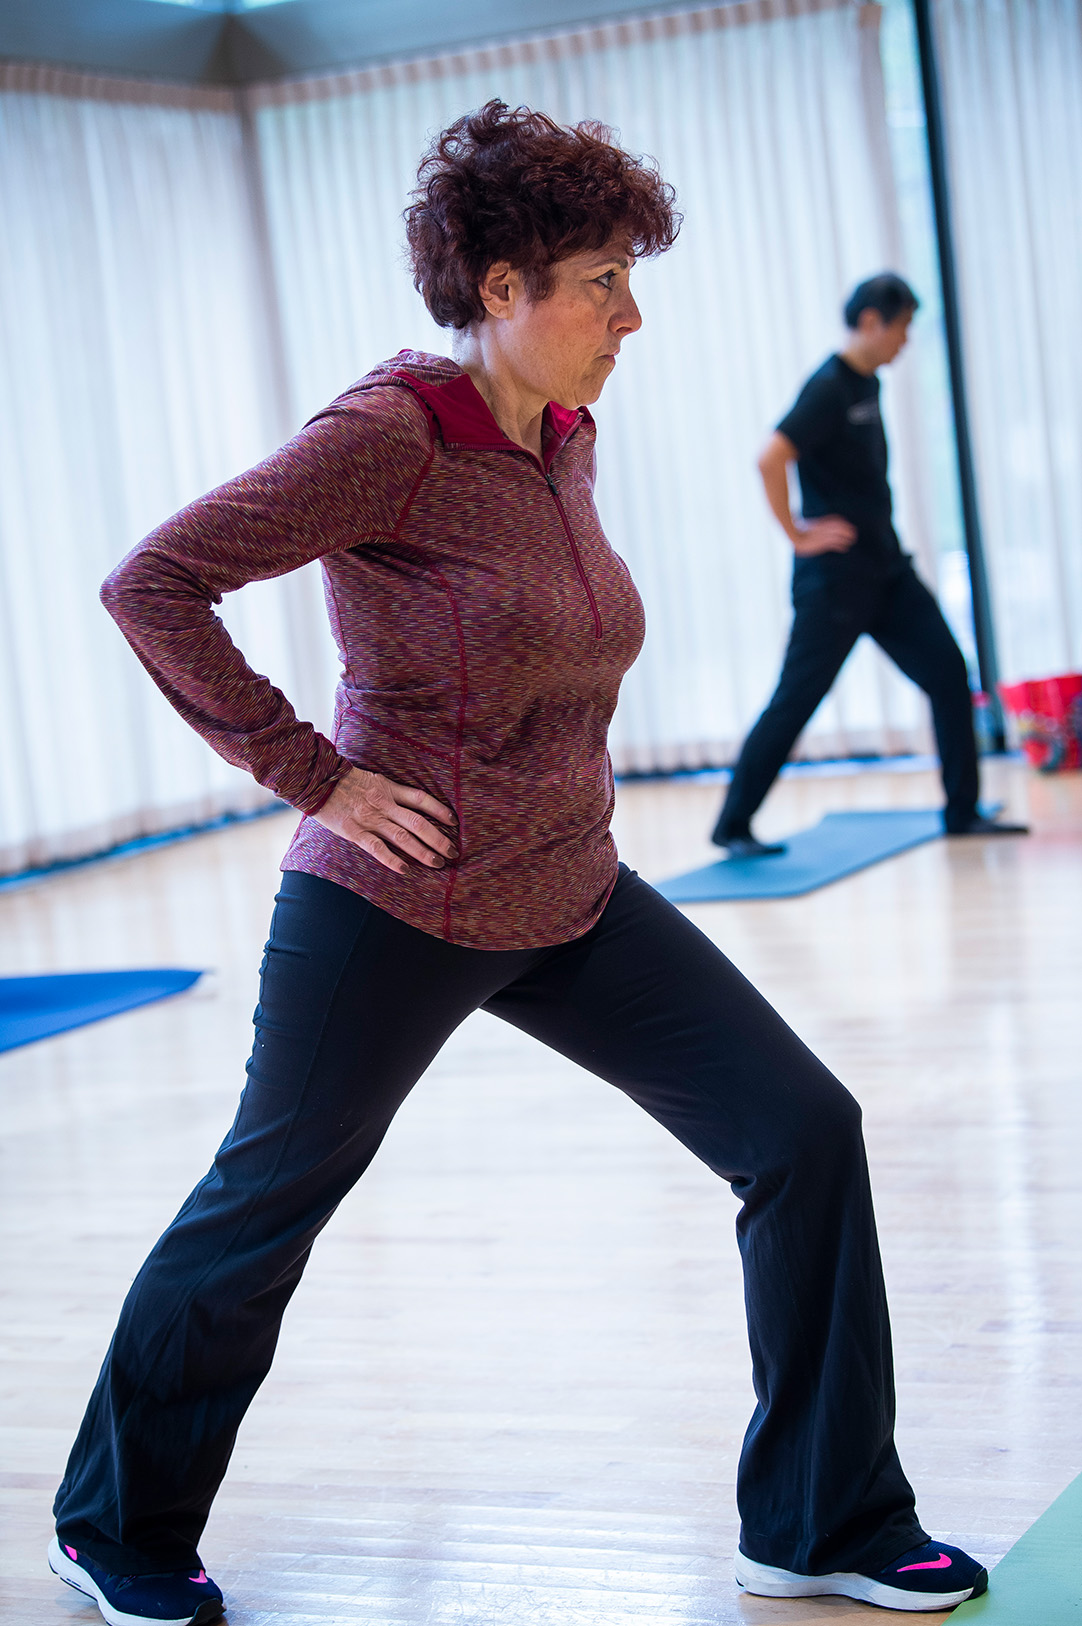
(38,1007)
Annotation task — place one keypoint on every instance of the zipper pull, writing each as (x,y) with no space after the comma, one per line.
(551,483)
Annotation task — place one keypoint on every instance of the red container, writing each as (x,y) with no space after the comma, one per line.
(1048,713)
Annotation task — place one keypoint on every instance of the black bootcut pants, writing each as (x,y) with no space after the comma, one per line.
(353,1007)
(831,610)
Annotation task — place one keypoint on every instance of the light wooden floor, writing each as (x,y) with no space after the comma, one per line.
(513,1384)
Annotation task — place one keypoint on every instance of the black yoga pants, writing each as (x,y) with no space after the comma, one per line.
(353,1007)
(830,611)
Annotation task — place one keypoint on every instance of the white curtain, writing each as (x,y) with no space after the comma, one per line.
(769,119)
(185,276)
(1012,91)
(133,376)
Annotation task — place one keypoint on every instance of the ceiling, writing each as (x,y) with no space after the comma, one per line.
(236,42)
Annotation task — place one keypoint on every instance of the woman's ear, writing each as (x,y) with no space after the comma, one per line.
(500,289)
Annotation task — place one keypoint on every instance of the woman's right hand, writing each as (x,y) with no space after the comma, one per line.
(387,820)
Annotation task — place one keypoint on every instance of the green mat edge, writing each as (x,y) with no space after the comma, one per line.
(1038,1581)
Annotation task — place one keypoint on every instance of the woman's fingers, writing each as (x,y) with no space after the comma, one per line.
(407,814)
(410,796)
(379,850)
(425,843)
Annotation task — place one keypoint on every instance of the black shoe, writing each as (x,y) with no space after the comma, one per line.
(746,846)
(980,826)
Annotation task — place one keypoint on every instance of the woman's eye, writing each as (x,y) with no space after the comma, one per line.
(607,280)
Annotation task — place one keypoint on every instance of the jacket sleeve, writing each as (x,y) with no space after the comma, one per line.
(341,482)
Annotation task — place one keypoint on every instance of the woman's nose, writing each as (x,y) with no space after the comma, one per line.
(628,318)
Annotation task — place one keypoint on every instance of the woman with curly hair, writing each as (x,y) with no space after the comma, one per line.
(454,854)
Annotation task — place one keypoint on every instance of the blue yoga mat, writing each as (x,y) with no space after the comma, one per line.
(840,844)
(37,1007)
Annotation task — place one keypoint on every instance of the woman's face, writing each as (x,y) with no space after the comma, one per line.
(563,348)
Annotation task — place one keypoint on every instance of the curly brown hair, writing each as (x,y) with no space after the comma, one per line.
(513,185)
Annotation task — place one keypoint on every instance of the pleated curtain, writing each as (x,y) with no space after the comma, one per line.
(136,371)
(1012,91)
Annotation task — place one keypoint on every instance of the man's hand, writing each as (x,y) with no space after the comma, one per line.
(387,820)
(831,534)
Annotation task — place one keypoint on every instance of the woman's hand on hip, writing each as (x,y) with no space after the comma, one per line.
(387,820)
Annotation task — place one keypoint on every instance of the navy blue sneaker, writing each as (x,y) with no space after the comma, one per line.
(934,1576)
(176,1599)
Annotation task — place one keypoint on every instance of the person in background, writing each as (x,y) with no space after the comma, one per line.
(455,855)
(850,575)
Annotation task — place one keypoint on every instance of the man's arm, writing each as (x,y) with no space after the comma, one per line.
(831,534)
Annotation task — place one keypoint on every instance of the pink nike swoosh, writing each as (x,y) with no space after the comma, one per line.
(940,1563)
(201,1578)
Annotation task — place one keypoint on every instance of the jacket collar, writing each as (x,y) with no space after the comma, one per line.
(465,420)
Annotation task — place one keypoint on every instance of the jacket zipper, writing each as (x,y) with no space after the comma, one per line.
(583,578)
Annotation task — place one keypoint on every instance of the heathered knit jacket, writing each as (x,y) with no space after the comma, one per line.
(483,621)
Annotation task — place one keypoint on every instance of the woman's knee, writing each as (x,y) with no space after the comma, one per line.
(838,1116)
(826,1130)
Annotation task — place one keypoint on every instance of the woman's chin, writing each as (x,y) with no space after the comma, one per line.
(592,387)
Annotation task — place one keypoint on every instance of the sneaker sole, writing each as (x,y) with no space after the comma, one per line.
(767,1582)
(75,1576)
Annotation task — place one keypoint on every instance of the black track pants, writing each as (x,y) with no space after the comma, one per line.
(830,613)
(353,1007)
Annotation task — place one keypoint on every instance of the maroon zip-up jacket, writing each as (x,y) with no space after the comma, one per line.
(483,621)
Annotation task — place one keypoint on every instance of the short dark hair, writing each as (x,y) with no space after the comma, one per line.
(502,184)
(888,293)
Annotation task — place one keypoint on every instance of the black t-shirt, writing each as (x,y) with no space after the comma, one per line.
(842,454)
